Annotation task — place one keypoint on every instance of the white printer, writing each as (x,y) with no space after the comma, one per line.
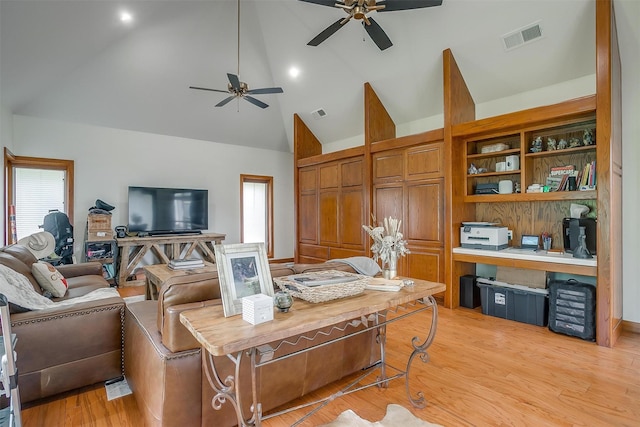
(483,236)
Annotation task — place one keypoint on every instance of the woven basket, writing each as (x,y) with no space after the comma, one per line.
(322,293)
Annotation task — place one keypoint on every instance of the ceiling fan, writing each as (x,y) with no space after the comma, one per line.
(238,89)
(358,9)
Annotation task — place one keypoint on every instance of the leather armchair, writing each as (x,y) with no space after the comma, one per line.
(63,348)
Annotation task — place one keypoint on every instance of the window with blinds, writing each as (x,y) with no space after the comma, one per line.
(257,210)
(37,191)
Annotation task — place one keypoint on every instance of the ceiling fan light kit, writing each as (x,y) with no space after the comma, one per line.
(238,89)
(358,10)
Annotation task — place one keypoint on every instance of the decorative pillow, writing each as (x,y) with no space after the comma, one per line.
(49,278)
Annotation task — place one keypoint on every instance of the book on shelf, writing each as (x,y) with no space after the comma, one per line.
(562,170)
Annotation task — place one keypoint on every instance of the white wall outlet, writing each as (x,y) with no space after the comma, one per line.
(510,234)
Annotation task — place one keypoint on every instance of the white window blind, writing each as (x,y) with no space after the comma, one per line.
(254,212)
(37,191)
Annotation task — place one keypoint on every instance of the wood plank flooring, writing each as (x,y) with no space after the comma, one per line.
(483,371)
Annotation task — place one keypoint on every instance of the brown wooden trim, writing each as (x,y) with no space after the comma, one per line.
(518,119)
(305,143)
(633,327)
(378,124)
(280,261)
(458,107)
(408,141)
(12,161)
(329,157)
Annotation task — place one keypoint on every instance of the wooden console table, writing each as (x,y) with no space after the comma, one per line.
(235,338)
(167,247)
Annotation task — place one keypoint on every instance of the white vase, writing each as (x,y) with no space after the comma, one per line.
(390,269)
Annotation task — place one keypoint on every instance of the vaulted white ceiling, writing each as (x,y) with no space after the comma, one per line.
(75,61)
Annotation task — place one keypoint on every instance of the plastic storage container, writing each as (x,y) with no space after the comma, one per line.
(519,303)
(572,307)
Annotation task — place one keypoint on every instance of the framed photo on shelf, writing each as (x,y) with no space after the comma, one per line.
(243,270)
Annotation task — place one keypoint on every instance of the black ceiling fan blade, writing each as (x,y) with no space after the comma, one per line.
(377,34)
(330,3)
(391,5)
(265,90)
(235,81)
(206,88)
(225,101)
(254,101)
(329,31)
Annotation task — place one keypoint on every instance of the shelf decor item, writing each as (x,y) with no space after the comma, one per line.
(388,245)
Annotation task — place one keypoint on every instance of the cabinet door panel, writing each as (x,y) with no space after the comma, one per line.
(425,212)
(351,217)
(329,217)
(426,264)
(388,201)
(351,173)
(329,176)
(424,162)
(388,166)
(308,218)
(307,179)
(312,251)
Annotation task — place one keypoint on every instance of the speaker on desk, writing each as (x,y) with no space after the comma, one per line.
(469,292)
(121,231)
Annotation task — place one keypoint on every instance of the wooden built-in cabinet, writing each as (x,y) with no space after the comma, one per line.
(408,183)
(331,209)
(424,179)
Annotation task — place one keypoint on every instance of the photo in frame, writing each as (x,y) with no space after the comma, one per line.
(243,270)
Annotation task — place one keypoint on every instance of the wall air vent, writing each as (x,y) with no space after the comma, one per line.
(318,114)
(522,36)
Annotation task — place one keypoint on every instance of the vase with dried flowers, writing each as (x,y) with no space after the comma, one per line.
(388,244)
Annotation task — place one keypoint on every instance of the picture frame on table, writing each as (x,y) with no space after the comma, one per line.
(243,270)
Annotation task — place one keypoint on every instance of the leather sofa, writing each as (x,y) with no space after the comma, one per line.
(164,363)
(64,348)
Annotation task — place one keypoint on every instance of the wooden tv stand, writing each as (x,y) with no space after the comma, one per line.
(166,247)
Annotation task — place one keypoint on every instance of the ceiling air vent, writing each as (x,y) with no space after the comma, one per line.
(318,114)
(522,36)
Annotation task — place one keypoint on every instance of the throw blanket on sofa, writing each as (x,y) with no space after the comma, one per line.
(19,291)
(361,264)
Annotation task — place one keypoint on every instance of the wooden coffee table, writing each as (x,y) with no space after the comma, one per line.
(237,339)
(158,274)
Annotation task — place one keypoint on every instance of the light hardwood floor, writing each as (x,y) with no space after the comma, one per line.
(483,371)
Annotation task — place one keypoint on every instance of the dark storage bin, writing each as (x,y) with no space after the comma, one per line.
(514,303)
(572,308)
(469,292)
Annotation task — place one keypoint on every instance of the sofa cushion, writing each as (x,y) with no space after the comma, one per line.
(49,279)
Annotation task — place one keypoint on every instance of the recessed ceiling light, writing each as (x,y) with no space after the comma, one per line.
(126,16)
(294,72)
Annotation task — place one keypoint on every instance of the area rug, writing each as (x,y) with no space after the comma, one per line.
(396,416)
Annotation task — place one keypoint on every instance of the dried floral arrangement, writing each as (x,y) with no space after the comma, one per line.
(387,239)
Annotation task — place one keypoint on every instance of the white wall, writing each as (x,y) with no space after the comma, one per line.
(108,160)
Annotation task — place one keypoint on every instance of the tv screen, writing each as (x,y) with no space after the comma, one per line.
(168,210)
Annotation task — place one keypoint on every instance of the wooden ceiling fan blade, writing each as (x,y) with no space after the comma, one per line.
(254,101)
(391,5)
(329,31)
(206,88)
(235,81)
(225,101)
(377,34)
(265,90)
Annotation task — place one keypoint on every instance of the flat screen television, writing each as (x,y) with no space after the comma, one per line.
(156,211)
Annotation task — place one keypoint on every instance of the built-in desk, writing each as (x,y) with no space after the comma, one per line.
(166,247)
(529,259)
